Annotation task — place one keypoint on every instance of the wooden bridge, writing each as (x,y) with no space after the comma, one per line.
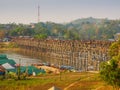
(82,55)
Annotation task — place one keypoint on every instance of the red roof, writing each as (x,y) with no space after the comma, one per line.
(2,69)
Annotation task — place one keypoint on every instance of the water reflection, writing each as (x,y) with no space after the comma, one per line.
(23,60)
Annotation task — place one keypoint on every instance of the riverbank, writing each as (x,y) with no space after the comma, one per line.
(8,46)
(9,49)
(49,69)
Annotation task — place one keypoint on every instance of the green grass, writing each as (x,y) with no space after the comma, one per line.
(83,81)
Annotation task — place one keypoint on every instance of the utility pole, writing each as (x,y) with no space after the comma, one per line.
(18,69)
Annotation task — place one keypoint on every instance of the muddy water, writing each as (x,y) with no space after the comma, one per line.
(21,59)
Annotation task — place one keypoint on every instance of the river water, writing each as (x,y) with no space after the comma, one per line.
(21,59)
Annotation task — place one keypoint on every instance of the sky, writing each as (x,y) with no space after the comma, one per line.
(59,11)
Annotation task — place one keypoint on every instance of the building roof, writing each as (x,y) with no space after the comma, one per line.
(2,69)
(7,66)
(54,88)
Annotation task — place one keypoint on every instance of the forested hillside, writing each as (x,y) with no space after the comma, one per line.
(85,29)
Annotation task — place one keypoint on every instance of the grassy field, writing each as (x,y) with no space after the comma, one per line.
(65,81)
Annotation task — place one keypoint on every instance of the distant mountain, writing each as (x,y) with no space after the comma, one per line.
(89,20)
(93,28)
(86,20)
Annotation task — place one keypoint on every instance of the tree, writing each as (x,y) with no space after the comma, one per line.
(115,49)
(110,73)
(110,70)
(40,36)
(2,34)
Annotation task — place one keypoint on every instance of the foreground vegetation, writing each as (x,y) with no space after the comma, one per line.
(65,81)
(110,70)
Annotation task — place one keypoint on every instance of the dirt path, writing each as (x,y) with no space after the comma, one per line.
(72,84)
(99,88)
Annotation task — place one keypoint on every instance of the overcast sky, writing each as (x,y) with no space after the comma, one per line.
(60,11)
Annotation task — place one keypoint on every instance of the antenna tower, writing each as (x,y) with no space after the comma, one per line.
(38,13)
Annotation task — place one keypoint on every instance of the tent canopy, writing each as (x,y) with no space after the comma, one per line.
(3,56)
(28,69)
(10,61)
(4,59)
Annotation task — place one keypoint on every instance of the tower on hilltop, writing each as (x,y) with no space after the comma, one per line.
(38,13)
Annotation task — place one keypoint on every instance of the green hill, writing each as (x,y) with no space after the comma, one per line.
(85,29)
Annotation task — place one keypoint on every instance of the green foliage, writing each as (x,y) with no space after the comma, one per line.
(40,36)
(1,77)
(12,45)
(110,70)
(18,73)
(21,30)
(86,28)
(114,49)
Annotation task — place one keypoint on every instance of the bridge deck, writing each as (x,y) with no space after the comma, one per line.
(83,55)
